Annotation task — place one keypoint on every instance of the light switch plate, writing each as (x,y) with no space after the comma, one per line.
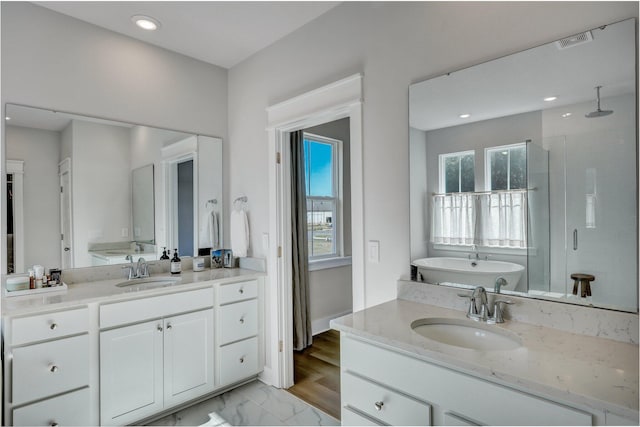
(374,251)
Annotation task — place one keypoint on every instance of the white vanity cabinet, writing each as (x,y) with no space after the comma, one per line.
(237,338)
(152,365)
(47,369)
(381,386)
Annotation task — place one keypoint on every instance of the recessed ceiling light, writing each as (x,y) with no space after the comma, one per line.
(464,116)
(565,115)
(7,118)
(550,98)
(146,22)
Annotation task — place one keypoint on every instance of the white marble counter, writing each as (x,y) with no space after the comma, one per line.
(84,292)
(586,371)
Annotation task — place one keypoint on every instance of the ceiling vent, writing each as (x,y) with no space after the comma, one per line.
(576,40)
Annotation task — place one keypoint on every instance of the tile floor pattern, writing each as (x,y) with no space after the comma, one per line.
(255,404)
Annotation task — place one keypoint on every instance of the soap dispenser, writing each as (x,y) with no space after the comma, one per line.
(176,266)
(164,253)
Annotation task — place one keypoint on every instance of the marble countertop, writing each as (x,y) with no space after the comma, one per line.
(106,290)
(595,372)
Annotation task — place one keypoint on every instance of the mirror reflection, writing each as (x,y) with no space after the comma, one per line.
(524,172)
(84,191)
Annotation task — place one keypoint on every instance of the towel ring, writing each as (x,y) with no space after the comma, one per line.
(211,202)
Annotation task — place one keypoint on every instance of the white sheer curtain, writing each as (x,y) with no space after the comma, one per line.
(491,219)
(453,219)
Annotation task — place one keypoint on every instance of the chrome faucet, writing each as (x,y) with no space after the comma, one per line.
(479,307)
(142,269)
(130,273)
(500,282)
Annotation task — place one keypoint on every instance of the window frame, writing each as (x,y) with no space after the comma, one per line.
(442,158)
(487,164)
(337,213)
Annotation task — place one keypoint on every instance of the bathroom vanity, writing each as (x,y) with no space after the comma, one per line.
(550,377)
(102,354)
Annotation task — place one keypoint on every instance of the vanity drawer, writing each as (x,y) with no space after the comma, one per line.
(71,409)
(442,387)
(47,326)
(138,310)
(349,417)
(238,321)
(41,370)
(382,403)
(238,361)
(239,291)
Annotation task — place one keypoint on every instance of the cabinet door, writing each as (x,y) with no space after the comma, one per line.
(130,373)
(188,350)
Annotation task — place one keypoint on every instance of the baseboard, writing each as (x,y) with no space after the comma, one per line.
(322,325)
(268,377)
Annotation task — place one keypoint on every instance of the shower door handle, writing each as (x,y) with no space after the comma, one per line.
(575,239)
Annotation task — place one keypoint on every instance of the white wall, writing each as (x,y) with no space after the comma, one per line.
(50,60)
(40,151)
(393,44)
(101,182)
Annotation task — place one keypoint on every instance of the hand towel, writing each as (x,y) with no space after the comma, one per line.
(215,235)
(208,236)
(239,233)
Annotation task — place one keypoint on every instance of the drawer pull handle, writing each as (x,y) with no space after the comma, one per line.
(169,326)
(159,328)
(242,359)
(53,424)
(242,320)
(53,326)
(378,406)
(241,291)
(53,368)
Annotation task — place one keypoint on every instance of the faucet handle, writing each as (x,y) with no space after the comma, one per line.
(497,311)
(472,311)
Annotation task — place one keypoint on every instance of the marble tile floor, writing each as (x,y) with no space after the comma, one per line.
(253,404)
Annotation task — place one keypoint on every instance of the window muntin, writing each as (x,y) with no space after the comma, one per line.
(457,172)
(506,167)
(323,183)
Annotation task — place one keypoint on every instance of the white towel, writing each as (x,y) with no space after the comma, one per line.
(239,233)
(209,235)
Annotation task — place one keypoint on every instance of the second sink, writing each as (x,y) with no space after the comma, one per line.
(150,282)
(467,334)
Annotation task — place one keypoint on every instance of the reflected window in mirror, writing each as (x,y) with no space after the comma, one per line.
(457,172)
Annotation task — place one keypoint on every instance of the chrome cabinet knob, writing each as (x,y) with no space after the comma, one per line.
(378,406)
(241,291)
(53,424)
(242,320)
(242,359)
(53,326)
(53,368)
(169,326)
(159,328)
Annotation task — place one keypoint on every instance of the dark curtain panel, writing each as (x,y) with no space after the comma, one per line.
(300,250)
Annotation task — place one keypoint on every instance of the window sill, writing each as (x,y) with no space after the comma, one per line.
(323,264)
(487,249)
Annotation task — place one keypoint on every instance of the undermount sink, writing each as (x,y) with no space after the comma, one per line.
(150,282)
(467,334)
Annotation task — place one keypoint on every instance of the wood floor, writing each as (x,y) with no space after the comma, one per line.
(317,373)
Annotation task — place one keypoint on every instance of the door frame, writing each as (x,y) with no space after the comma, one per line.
(64,167)
(16,168)
(337,100)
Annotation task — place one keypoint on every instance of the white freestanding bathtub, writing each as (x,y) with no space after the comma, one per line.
(468,272)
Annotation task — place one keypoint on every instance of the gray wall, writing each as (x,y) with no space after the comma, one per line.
(393,45)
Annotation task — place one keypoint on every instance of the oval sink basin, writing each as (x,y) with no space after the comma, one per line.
(150,282)
(467,334)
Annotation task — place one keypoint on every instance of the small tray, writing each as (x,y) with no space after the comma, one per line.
(61,287)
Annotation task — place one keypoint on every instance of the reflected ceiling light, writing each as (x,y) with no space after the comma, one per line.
(550,98)
(146,22)
(464,116)
(565,115)
(7,118)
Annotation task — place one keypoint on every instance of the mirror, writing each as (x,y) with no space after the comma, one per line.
(525,169)
(84,191)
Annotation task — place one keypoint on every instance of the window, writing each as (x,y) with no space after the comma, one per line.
(322,157)
(506,167)
(457,172)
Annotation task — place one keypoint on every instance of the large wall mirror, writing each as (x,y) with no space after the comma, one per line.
(524,172)
(84,191)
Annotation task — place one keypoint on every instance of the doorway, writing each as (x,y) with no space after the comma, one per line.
(185,215)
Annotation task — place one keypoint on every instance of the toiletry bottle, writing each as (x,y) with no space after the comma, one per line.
(164,253)
(32,279)
(176,266)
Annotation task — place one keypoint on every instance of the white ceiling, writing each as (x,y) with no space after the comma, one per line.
(518,83)
(222,33)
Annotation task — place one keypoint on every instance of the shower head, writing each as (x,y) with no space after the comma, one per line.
(598,112)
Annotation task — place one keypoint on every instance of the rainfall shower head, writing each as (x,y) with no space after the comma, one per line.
(598,112)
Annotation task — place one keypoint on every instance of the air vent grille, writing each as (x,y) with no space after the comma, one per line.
(576,40)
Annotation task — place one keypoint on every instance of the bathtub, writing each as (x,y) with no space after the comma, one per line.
(468,272)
